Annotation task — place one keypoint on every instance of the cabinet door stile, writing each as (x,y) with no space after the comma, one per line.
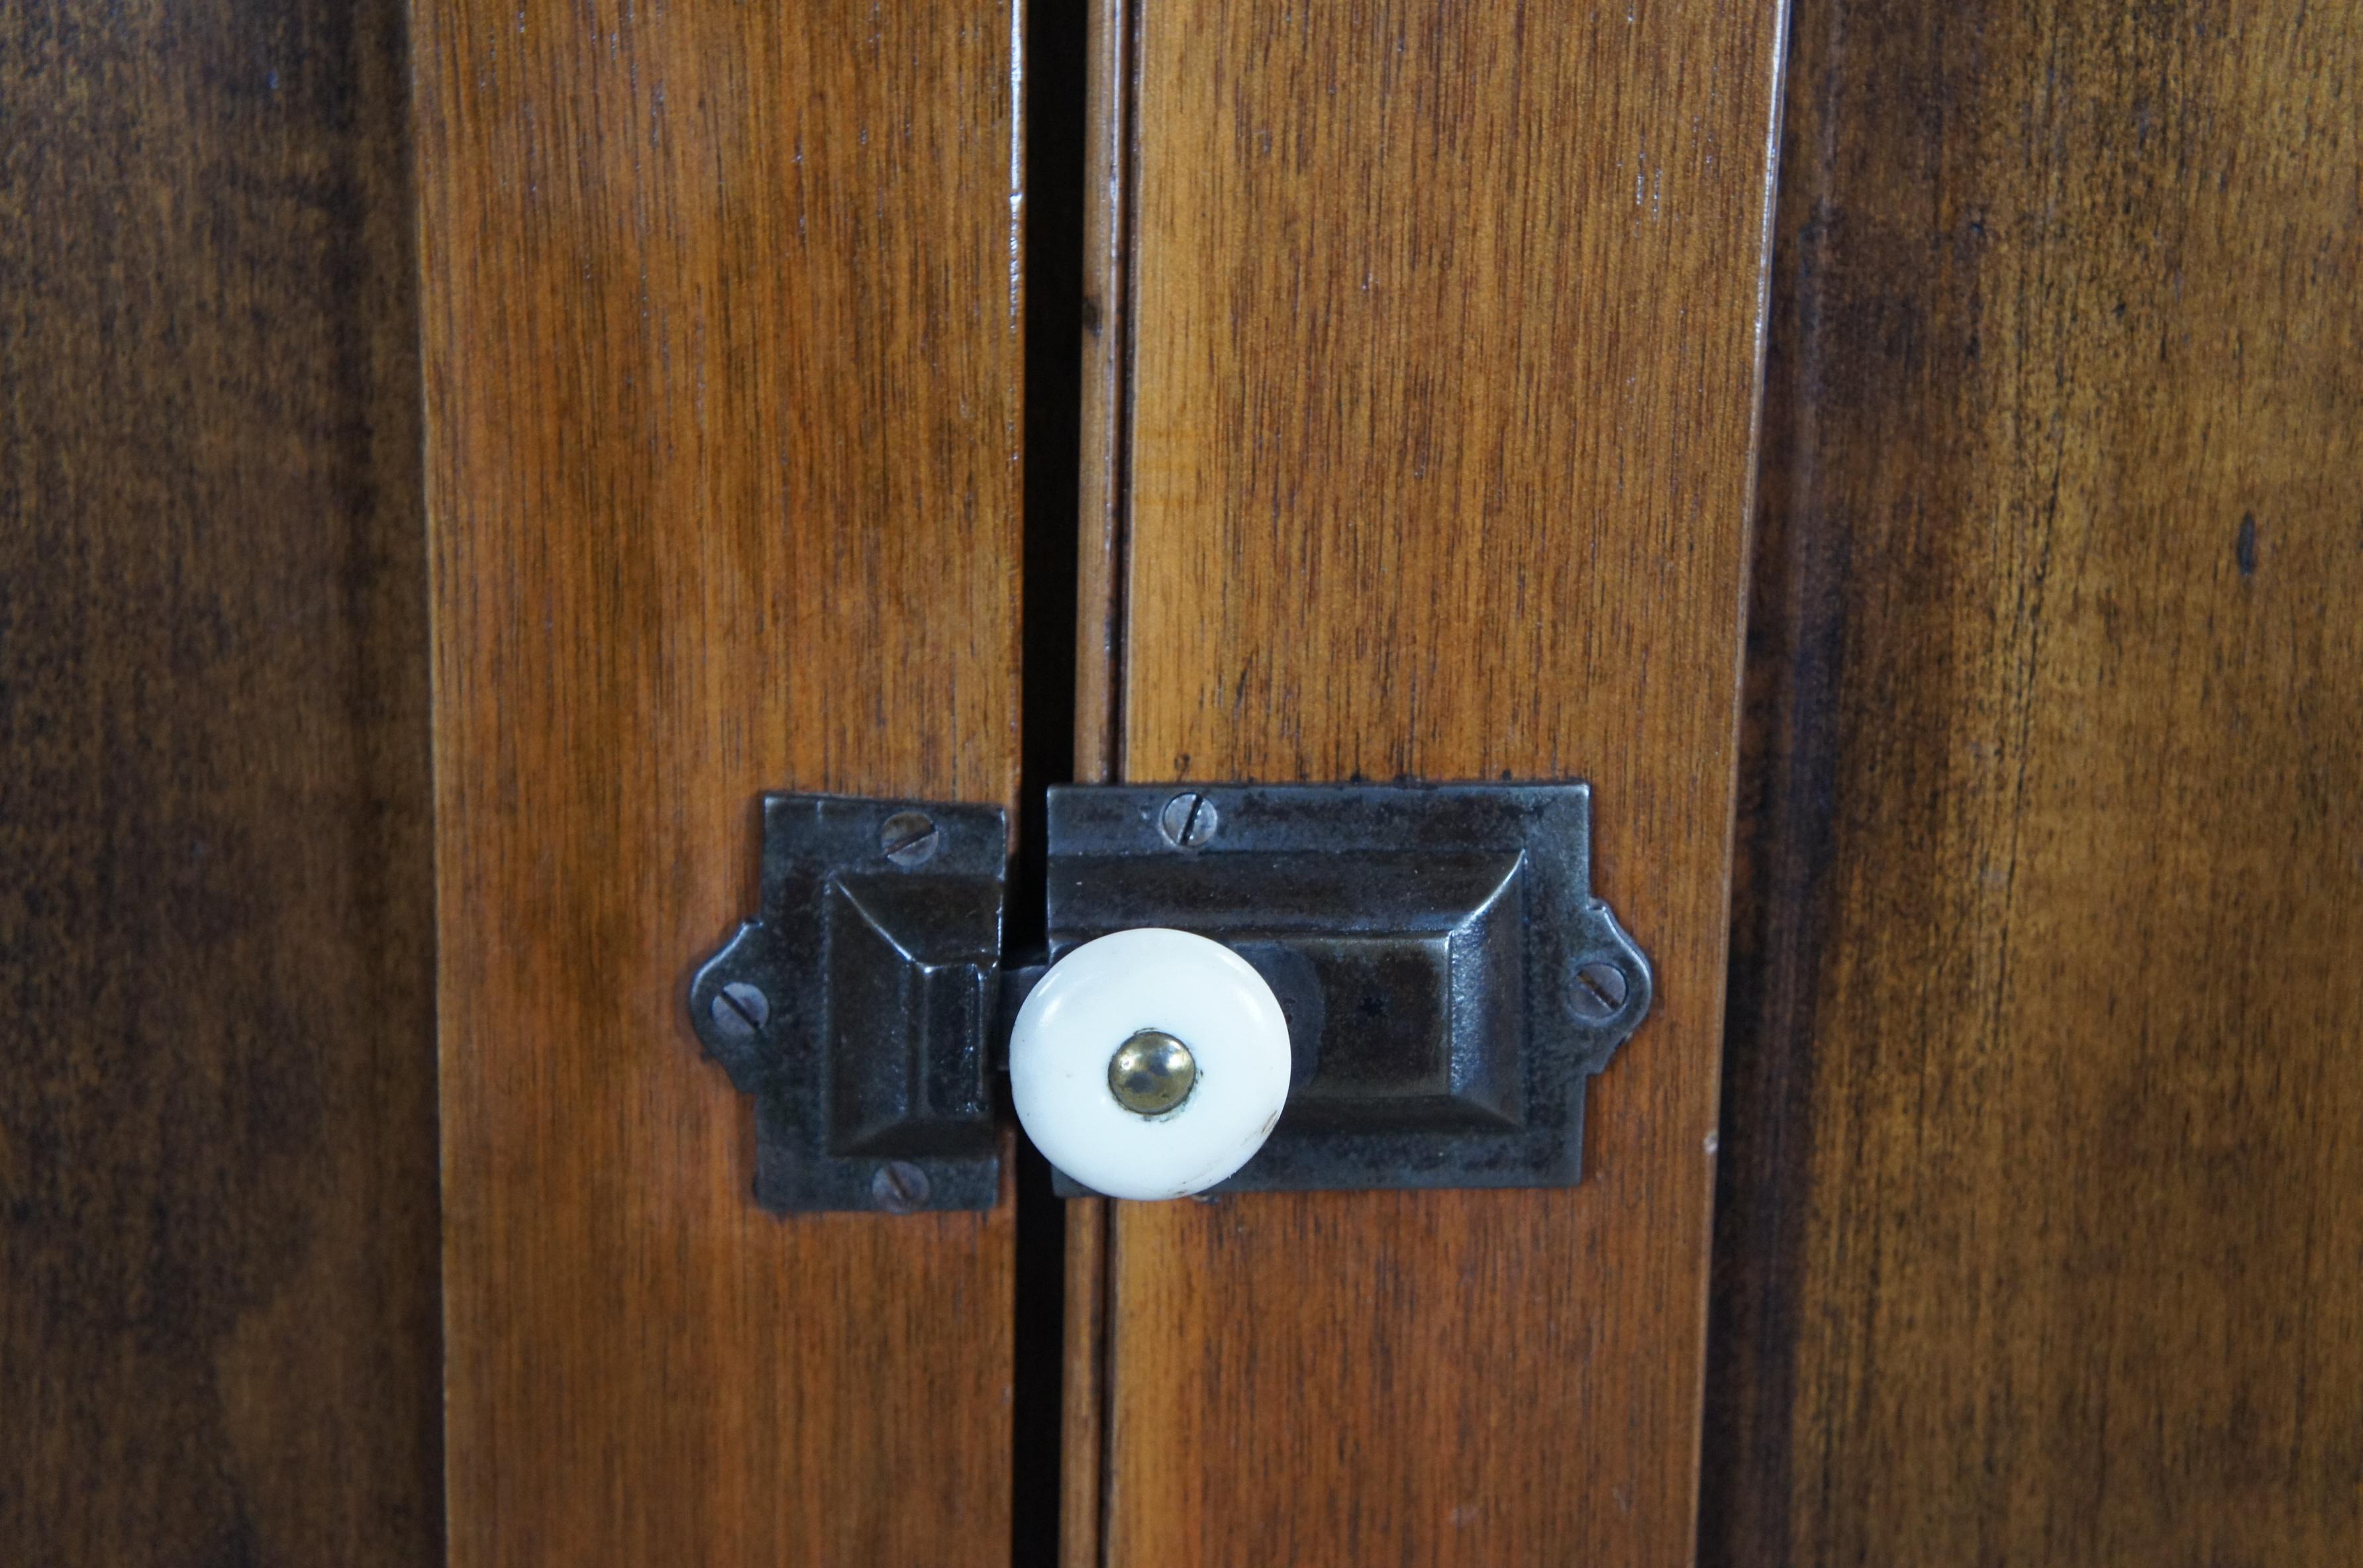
(218,1231)
(723,355)
(1443,336)
(2042,1197)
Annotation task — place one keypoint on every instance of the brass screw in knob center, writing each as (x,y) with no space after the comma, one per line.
(1151,1073)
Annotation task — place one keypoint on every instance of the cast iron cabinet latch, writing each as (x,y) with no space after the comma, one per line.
(1448,981)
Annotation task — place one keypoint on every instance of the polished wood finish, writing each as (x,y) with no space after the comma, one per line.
(2042,1229)
(218,1179)
(723,347)
(1445,366)
(1103,387)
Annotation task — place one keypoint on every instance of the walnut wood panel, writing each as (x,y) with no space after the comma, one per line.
(723,348)
(2045,1203)
(218,1210)
(1445,326)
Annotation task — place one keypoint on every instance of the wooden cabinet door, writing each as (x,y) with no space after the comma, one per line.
(723,405)
(1432,413)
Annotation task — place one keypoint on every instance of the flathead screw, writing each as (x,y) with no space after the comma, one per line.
(739,1009)
(1599,990)
(1189,820)
(899,1186)
(909,838)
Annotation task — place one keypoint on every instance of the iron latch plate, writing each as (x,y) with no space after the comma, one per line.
(1450,982)
(857,1009)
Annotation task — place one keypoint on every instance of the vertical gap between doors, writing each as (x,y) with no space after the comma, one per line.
(1052,109)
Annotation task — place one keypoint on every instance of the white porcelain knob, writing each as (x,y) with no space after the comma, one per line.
(1150,1064)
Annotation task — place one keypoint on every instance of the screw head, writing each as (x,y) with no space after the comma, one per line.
(1151,1073)
(909,838)
(1599,990)
(739,1009)
(899,1186)
(1189,820)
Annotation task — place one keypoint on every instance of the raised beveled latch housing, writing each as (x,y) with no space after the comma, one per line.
(1449,983)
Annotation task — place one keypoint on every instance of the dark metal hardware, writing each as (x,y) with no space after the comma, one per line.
(1449,981)
(867,1055)
(1427,943)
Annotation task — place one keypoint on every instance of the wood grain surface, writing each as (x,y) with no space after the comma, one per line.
(1445,327)
(723,346)
(1102,386)
(2042,1235)
(218,1168)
